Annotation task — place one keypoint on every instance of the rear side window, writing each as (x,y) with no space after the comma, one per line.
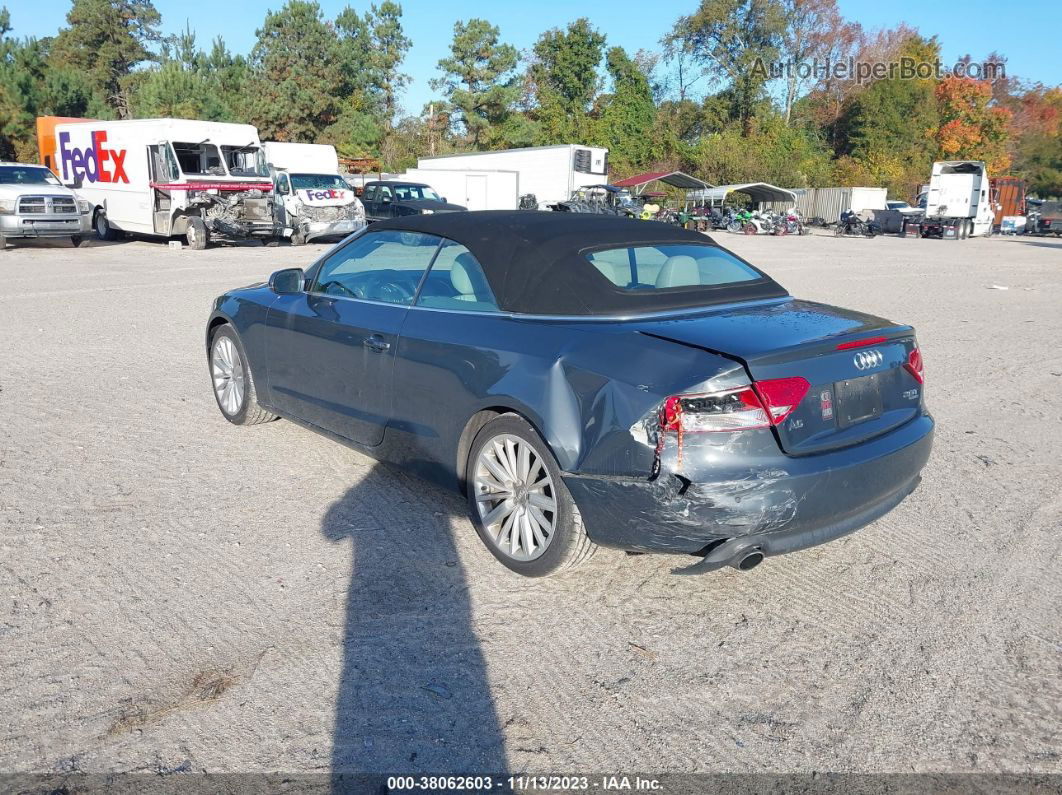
(456,281)
(670,265)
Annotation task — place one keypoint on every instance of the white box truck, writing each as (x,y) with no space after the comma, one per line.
(476,190)
(201,180)
(549,173)
(313,202)
(958,203)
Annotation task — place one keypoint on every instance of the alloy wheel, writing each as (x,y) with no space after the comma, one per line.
(228,374)
(515,497)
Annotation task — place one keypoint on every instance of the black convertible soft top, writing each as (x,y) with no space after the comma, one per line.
(535,261)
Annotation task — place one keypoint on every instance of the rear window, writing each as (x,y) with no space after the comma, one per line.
(660,267)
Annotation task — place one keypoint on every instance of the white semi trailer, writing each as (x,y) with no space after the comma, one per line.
(958,203)
(549,173)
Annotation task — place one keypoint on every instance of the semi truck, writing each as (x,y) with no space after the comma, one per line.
(958,204)
(313,202)
(549,173)
(164,178)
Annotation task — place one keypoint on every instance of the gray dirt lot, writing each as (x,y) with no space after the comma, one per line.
(180,593)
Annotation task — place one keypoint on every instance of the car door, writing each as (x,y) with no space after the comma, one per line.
(331,348)
(283,197)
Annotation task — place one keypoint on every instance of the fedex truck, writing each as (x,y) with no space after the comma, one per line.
(313,202)
(958,201)
(200,180)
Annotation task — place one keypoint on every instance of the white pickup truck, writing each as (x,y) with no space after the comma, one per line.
(34,203)
(313,202)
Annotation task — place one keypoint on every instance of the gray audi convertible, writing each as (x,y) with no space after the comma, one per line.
(586,380)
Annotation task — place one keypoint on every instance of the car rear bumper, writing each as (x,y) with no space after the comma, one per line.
(44,226)
(795,503)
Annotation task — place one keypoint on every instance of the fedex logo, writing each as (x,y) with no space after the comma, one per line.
(91,164)
(331,193)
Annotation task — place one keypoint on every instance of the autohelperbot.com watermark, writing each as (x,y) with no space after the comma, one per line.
(904,68)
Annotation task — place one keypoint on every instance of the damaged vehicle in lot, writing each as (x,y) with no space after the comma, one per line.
(201,180)
(586,381)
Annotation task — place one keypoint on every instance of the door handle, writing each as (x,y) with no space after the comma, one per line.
(376,343)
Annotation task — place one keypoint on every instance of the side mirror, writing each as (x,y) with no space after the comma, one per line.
(442,199)
(287,281)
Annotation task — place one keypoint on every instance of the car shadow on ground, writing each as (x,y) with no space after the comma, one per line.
(414,694)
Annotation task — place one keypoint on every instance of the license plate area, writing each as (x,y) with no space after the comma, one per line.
(858,400)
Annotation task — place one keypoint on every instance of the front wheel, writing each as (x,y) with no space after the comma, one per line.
(104,231)
(196,235)
(232,380)
(520,506)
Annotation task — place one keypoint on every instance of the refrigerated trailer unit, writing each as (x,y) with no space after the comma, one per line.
(201,180)
(550,173)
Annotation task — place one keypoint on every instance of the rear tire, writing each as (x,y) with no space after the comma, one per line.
(515,489)
(297,239)
(76,241)
(197,235)
(233,382)
(104,231)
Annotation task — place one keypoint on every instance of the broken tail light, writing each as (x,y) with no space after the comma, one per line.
(913,365)
(759,405)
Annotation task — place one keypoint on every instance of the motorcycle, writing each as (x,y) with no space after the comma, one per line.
(851,224)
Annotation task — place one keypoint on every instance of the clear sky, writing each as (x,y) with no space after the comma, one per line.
(1027,33)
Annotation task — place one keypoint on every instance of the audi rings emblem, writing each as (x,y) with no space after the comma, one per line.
(867,360)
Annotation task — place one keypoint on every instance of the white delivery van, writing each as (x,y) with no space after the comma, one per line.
(549,173)
(33,203)
(476,190)
(313,202)
(165,177)
(958,203)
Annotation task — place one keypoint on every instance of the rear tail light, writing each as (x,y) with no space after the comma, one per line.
(914,365)
(761,405)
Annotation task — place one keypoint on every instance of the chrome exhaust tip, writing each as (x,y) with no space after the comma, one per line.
(748,561)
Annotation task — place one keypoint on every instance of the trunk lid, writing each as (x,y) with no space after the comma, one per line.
(854,363)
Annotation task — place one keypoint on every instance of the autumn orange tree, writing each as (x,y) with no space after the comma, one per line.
(971,126)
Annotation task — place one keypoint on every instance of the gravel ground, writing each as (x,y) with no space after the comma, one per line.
(182,594)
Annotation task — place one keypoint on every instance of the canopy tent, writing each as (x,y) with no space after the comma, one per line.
(676,179)
(757,191)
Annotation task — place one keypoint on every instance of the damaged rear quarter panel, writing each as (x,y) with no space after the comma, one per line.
(583,385)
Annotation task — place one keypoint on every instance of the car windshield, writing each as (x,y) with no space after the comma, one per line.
(404,193)
(245,161)
(670,265)
(27,175)
(198,158)
(318,182)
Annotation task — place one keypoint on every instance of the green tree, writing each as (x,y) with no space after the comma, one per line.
(735,40)
(479,82)
(105,40)
(626,116)
(888,127)
(296,74)
(388,45)
(565,81)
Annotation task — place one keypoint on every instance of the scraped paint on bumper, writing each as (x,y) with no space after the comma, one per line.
(793,503)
